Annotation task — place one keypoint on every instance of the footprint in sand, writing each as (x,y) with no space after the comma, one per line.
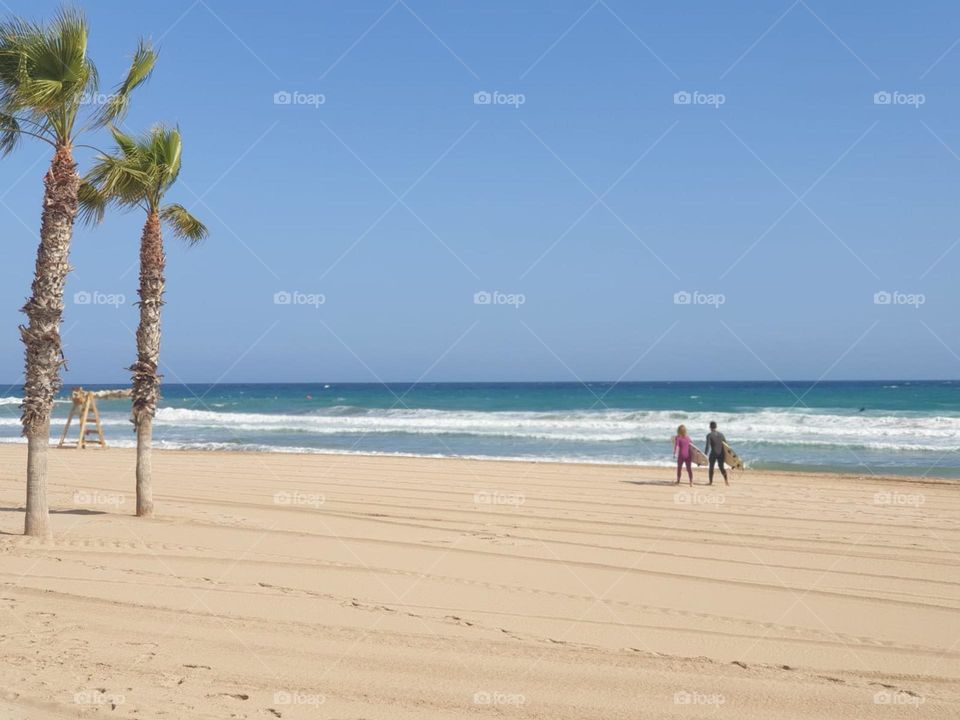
(458,620)
(838,681)
(232,696)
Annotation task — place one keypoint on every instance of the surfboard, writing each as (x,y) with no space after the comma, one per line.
(698,457)
(731,459)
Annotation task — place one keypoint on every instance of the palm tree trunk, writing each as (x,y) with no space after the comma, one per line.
(146,381)
(144,467)
(41,336)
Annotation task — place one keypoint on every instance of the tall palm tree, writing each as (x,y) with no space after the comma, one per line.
(137,175)
(46,79)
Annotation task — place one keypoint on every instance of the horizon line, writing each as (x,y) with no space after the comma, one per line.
(514,382)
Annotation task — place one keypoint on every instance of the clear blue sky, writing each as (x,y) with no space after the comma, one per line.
(398,198)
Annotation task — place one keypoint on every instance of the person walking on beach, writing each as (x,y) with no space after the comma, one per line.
(714,448)
(683,453)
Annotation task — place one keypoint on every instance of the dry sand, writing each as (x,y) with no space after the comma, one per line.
(308,586)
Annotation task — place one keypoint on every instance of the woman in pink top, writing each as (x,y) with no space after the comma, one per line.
(683,453)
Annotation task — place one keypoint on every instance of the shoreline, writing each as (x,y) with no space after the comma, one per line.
(800,471)
(908,429)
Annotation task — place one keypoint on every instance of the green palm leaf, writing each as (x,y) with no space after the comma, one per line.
(184,225)
(9,133)
(140,69)
(139,172)
(46,76)
(93,204)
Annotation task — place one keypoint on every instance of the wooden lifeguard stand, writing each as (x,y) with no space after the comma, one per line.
(85,403)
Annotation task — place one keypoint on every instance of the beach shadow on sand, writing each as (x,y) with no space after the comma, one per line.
(649,482)
(76,511)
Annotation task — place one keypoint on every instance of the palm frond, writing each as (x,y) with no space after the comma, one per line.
(140,69)
(128,145)
(45,71)
(93,204)
(166,148)
(9,133)
(139,172)
(121,182)
(15,35)
(184,225)
(141,169)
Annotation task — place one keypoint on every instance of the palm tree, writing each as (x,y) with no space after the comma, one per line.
(46,80)
(137,175)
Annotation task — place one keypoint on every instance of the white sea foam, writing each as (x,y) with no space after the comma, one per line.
(17,401)
(601,433)
(771,427)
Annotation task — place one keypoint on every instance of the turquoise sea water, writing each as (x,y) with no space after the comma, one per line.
(892,427)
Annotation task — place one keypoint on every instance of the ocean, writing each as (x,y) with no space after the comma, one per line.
(891,427)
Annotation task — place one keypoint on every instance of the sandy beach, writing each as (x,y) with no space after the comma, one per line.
(277,585)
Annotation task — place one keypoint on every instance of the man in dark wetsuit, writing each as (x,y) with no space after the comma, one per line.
(714,449)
